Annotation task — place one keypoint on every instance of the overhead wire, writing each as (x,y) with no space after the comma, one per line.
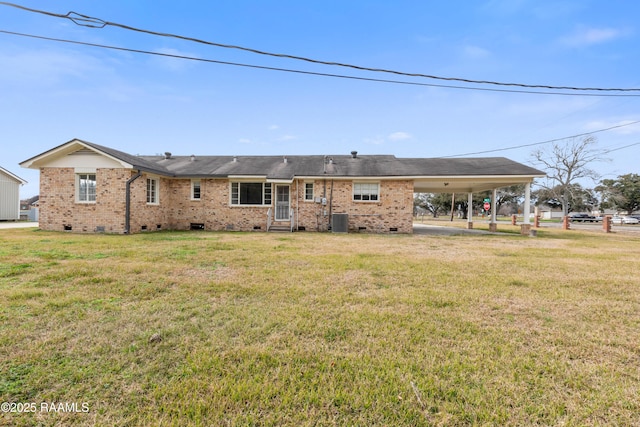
(313,73)
(542,142)
(620,148)
(92,22)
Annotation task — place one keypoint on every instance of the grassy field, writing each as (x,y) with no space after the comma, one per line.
(207,329)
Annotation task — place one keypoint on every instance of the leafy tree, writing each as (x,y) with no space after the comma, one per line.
(566,163)
(512,195)
(434,203)
(622,193)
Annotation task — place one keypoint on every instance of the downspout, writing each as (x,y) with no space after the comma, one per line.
(298,203)
(127,202)
(331,205)
(322,206)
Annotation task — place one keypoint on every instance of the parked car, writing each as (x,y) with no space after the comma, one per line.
(625,220)
(583,217)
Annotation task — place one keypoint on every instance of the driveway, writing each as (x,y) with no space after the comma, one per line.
(17,224)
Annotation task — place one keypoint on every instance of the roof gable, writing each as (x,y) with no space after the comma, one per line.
(11,176)
(62,156)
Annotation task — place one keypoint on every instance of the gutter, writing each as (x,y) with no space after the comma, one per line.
(127,202)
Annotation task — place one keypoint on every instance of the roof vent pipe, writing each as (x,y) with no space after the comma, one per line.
(354,154)
(167,155)
(235,159)
(284,159)
(193,157)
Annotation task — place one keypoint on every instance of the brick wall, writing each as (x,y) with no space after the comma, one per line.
(213,209)
(59,210)
(150,217)
(176,211)
(392,213)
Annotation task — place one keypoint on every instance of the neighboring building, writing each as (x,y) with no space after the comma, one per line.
(85,187)
(30,203)
(29,209)
(10,195)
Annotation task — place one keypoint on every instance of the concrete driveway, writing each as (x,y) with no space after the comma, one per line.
(17,224)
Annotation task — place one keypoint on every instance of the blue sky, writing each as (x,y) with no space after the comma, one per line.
(53,92)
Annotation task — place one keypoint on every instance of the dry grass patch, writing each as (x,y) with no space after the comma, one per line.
(201,328)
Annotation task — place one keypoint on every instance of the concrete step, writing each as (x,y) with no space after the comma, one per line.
(280,228)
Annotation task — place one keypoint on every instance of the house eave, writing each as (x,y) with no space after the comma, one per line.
(67,148)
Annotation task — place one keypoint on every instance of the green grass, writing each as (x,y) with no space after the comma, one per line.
(321,329)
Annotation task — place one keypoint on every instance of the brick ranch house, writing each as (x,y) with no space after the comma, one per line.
(89,188)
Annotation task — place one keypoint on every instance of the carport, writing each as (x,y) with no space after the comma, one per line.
(474,175)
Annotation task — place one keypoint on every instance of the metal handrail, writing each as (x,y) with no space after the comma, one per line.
(268,219)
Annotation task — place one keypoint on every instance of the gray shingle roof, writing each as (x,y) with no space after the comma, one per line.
(274,167)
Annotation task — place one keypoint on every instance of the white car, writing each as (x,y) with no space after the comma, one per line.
(624,220)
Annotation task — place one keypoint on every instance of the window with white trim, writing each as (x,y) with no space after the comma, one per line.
(86,187)
(196,189)
(251,193)
(152,191)
(308,191)
(364,191)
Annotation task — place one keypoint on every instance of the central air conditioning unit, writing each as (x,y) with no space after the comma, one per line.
(340,223)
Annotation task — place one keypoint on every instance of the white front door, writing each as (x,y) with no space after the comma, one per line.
(282,203)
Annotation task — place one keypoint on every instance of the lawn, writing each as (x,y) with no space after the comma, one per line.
(204,329)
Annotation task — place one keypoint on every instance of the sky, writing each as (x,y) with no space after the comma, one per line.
(52,92)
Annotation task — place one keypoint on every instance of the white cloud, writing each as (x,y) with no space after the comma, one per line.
(624,130)
(244,141)
(399,136)
(287,138)
(475,52)
(170,63)
(378,140)
(591,36)
(48,67)
(505,7)
(273,127)
(393,137)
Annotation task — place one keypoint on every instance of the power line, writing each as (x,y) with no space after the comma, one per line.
(543,142)
(288,70)
(92,22)
(620,148)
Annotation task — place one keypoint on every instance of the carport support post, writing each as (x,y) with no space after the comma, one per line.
(470,211)
(525,229)
(493,224)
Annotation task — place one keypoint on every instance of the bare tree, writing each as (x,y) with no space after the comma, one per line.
(565,163)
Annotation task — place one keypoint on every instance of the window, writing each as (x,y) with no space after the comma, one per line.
(195,189)
(250,193)
(86,185)
(308,191)
(366,191)
(152,191)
